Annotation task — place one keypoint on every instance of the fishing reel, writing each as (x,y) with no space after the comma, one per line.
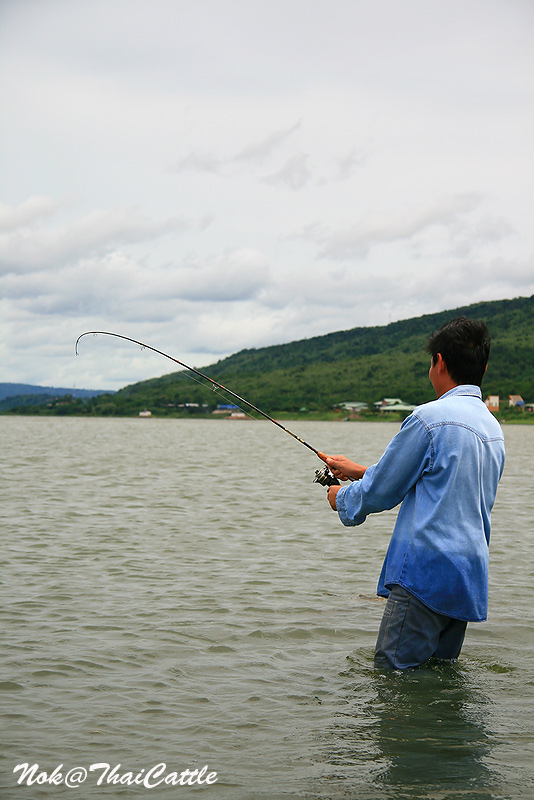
(325,477)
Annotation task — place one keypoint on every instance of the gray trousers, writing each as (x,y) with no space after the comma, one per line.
(411,633)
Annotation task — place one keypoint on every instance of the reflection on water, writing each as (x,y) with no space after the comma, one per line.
(430,733)
(415,734)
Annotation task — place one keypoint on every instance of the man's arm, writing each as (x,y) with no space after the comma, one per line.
(383,485)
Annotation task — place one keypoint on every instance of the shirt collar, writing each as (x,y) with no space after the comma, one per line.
(464,389)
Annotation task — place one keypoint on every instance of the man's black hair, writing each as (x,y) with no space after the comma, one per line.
(464,345)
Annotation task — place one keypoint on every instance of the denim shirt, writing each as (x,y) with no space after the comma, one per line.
(444,465)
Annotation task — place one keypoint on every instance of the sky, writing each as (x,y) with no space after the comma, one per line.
(216,175)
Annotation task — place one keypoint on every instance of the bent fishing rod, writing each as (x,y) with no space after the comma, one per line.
(324,476)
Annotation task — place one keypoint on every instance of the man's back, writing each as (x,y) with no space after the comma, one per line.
(439,549)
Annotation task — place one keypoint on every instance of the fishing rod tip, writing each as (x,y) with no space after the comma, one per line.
(77,341)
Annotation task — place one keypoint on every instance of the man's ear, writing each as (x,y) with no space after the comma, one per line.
(440,362)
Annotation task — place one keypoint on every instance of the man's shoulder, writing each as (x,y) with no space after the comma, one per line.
(430,413)
(460,407)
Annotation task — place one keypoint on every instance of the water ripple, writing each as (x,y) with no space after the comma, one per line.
(189,608)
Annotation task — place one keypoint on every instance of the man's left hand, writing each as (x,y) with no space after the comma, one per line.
(332,492)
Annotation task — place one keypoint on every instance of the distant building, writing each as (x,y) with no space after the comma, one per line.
(516,401)
(492,402)
(387,401)
(389,404)
(353,406)
(225,408)
(145,413)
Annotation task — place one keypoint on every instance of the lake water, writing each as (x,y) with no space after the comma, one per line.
(178,592)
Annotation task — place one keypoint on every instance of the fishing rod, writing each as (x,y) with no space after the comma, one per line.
(324,476)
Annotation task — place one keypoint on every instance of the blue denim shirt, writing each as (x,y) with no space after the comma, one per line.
(444,465)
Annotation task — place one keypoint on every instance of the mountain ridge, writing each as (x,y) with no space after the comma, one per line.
(364,363)
(18,389)
(27,395)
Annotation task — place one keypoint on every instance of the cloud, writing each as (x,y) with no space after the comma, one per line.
(344,166)
(291,167)
(253,153)
(31,210)
(359,239)
(234,276)
(295,173)
(119,286)
(201,162)
(264,149)
(30,248)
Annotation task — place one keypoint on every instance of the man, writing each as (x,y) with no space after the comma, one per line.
(444,466)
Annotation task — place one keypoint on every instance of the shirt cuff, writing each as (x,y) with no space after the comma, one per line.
(341,507)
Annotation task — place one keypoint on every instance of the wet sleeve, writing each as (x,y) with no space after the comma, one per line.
(386,483)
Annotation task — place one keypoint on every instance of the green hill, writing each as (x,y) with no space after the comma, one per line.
(361,364)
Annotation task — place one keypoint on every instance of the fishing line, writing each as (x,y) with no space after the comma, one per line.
(216,385)
(218,393)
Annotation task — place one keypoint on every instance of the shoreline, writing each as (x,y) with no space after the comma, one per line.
(286,416)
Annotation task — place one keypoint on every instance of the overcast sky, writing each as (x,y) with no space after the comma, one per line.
(210,175)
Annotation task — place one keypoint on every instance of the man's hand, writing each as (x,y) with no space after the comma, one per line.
(343,468)
(332,492)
